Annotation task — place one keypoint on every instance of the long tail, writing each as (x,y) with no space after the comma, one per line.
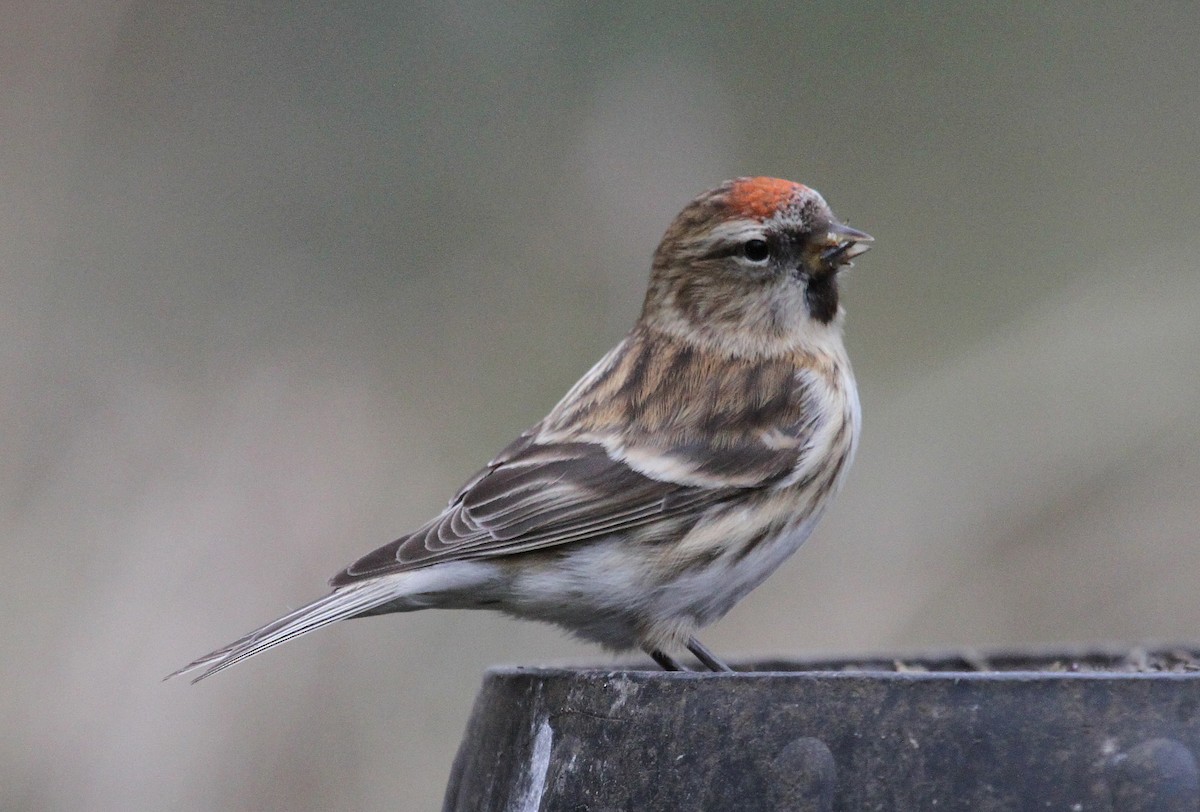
(340,604)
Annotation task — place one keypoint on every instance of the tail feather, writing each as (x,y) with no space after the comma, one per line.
(338,605)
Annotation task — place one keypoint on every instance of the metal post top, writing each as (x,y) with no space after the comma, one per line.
(1098,728)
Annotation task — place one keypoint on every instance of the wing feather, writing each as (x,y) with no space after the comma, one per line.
(567,492)
(652,434)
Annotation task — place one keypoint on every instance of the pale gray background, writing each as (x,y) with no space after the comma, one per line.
(274,279)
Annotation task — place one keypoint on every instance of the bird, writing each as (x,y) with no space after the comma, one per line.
(675,476)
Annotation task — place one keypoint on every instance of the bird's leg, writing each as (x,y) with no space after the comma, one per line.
(665,660)
(704,655)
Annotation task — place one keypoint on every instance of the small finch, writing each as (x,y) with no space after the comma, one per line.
(675,476)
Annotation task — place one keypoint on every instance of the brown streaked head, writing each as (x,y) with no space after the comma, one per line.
(759,255)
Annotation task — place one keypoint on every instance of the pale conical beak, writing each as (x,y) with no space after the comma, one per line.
(845,243)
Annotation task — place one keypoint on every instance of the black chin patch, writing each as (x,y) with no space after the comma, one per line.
(821,296)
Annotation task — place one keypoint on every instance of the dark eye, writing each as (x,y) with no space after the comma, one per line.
(756,250)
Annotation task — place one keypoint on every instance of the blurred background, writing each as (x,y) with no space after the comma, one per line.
(276,278)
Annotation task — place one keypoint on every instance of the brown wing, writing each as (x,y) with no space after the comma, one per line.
(545,496)
(579,476)
(549,494)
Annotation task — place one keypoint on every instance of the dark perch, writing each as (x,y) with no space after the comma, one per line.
(1117,731)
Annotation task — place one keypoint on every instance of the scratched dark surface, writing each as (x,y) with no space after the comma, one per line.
(1079,733)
